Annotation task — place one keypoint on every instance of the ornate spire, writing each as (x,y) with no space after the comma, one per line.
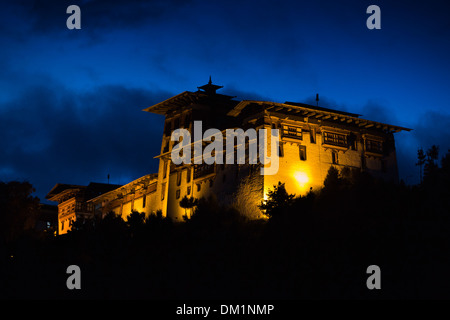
(210,88)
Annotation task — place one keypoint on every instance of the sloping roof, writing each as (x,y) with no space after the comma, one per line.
(299,104)
(95,189)
(61,188)
(305,110)
(187,98)
(92,190)
(127,188)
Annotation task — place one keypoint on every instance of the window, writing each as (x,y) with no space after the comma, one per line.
(189,190)
(335,139)
(334,157)
(352,141)
(164,169)
(374,146)
(163,191)
(302,151)
(178,178)
(188,175)
(144,197)
(312,135)
(280,150)
(211,182)
(292,132)
(199,187)
(178,194)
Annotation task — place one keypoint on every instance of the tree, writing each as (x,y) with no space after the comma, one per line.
(445,162)
(277,201)
(433,152)
(332,181)
(431,166)
(18,209)
(135,222)
(188,203)
(420,161)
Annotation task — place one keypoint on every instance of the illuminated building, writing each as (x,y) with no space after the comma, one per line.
(73,201)
(312,139)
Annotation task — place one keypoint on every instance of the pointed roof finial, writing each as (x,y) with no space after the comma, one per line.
(210,88)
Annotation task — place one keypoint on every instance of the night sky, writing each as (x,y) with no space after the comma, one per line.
(71,100)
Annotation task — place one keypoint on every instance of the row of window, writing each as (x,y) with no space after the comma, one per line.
(342,140)
(335,139)
(374,146)
(188,191)
(294,132)
(128,204)
(77,207)
(301,150)
(67,208)
(334,154)
(199,171)
(331,138)
(177,194)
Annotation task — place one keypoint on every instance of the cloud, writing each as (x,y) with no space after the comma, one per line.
(433,128)
(231,90)
(378,111)
(430,129)
(52,134)
(50,15)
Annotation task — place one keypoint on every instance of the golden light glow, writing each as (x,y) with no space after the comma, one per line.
(265,194)
(301,177)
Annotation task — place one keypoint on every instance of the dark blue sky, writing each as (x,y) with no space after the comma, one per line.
(71,100)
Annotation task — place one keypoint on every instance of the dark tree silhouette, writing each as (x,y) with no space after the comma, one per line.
(431,166)
(277,201)
(332,180)
(420,161)
(18,209)
(188,203)
(135,222)
(314,246)
(445,164)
